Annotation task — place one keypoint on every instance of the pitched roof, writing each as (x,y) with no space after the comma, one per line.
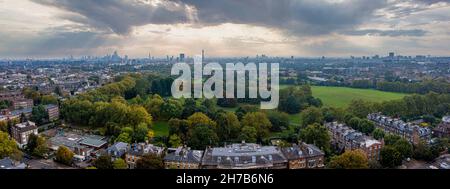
(88,141)
(185,155)
(118,146)
(243,155)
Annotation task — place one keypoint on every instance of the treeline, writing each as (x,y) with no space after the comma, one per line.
(413,106)
(198,123)
(292,100)
(106,110)
(417,87)
(295,99)
(38,98)
(424,87)
(107,92)
(100,114)
(408,108)
(129,86)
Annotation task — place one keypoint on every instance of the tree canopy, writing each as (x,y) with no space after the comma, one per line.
(150,161)
(8,146)
(64,155)
(316,134)
(259,121)
(351,159)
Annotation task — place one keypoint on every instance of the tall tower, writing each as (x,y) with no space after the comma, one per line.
(203,55)
(391,55)
(181,58)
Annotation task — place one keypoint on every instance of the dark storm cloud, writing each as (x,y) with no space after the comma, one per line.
(117,15)
(311,17)
(433,1)
(98,18)
(418,6)
(299,17)
(390,33)
(55,42)
(71,40)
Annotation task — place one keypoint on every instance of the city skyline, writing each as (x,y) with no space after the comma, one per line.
(305,28)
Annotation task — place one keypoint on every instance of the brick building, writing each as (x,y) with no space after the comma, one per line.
(183,158)
(21,132)
(345,138)
(409,131)
(304,156)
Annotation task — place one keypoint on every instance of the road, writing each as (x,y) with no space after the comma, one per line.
(45,164)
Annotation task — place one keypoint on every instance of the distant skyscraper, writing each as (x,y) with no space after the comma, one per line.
(115,57)
(182,57)
(391,55)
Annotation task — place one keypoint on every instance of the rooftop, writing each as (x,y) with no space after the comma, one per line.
(25,126)
(140,149)
(118,146)
(72,140)
(184,155)
(24,110)
(302,150)
(93,142)
(49,106)
(243,155)
(244,149)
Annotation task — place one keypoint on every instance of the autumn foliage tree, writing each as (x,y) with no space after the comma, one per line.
(200,119)
(120,164)
(259,122)
(8,146)
(352,159)
(64,155)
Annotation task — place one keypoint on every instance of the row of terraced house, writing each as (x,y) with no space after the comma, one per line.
(409,131)
(344,138)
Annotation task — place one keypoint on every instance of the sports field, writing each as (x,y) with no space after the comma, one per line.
(342,96)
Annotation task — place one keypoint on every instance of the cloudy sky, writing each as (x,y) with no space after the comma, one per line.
(307,28)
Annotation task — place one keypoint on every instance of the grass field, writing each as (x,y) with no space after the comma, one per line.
(342,96)
(161,128)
